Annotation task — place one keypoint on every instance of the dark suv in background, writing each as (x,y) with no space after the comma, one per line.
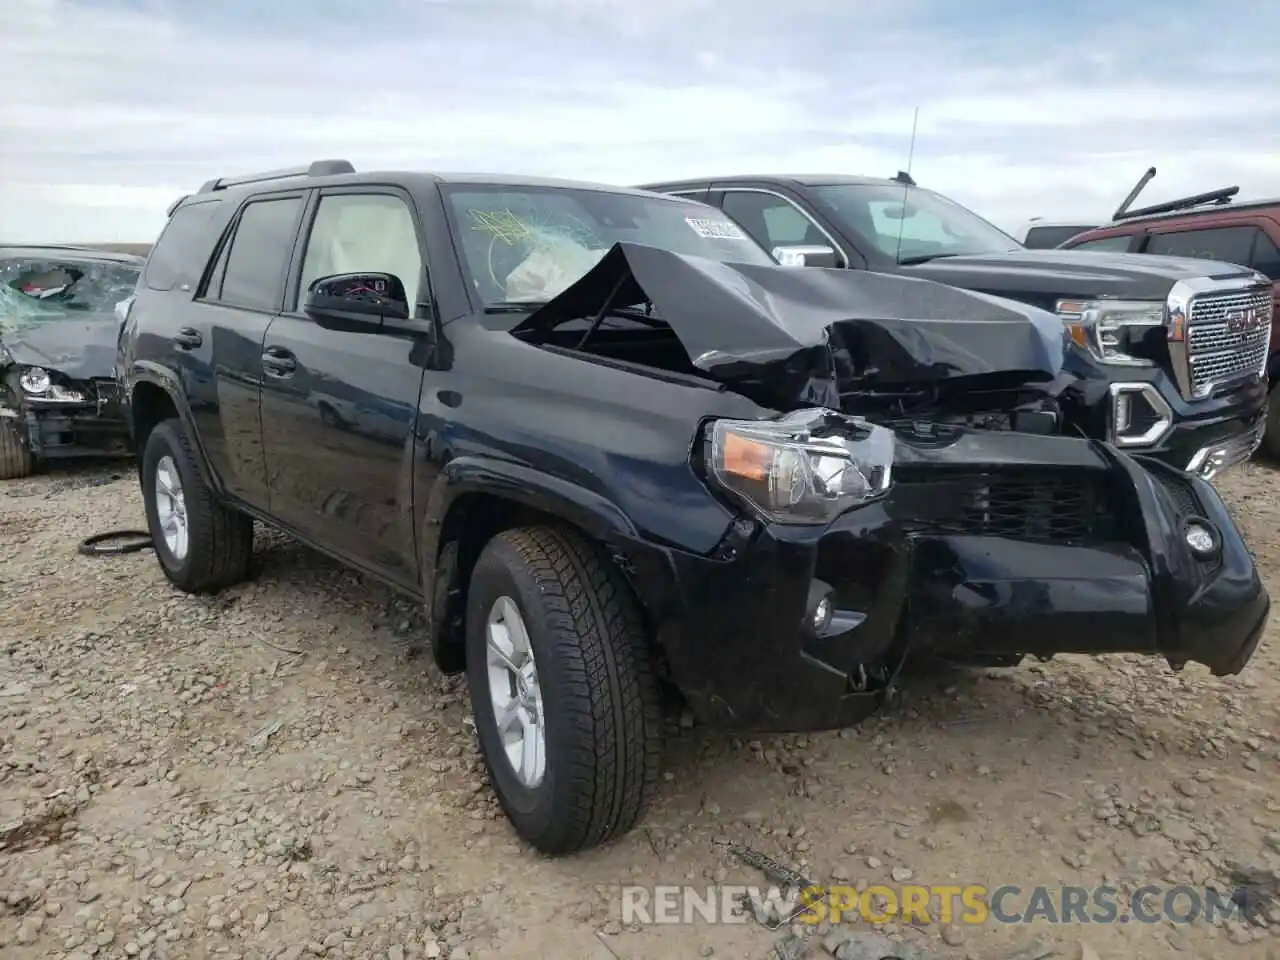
(1169,355)
(1213,227)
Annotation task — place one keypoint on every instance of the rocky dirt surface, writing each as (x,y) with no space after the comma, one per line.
(278,772)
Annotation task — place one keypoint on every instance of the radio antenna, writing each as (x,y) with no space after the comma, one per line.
(905,178)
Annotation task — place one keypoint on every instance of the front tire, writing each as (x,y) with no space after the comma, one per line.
(579,681)
(16,460)
(202,545)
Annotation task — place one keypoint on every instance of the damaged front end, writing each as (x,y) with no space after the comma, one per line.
(916,493)
(877,345)
(58,328)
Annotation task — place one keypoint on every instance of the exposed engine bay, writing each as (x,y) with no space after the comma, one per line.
(913,355)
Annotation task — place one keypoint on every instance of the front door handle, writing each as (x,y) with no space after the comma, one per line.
(188,338)
(278,362)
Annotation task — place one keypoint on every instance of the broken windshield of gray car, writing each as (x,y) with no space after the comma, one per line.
(39,290)
(528,243)
(911,223)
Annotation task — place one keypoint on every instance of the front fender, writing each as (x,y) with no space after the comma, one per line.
(512,481)
(448,514)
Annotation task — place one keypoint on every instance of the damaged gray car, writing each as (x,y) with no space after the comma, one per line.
(60,313)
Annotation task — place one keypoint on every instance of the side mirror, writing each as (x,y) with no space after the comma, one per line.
(357,302)
(804,255)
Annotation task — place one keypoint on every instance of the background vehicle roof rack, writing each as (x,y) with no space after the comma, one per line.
(319,168)
(1218,197)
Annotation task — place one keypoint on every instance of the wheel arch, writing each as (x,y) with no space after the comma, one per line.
(153,397)
(474,499)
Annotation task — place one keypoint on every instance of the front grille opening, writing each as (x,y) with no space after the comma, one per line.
(1180,492)
(1056,506)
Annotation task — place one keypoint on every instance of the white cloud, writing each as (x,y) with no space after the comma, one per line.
(111,113)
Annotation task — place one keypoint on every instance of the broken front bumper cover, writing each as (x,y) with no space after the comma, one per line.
(988,571)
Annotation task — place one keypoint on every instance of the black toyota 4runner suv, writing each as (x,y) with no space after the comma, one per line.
(614,448)
(1170,355)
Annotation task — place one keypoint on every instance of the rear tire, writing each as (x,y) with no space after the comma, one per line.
(597,698)
(16,460)
(218,540)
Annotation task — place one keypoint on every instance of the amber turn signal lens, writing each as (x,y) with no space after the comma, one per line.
(745,458)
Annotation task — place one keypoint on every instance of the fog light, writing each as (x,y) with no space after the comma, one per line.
(822,615)
(1140,417)
(1200,539)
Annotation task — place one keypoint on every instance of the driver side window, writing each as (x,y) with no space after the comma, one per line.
(363,233)
(771,221)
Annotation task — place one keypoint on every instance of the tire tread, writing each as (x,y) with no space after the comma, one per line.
(610,697)
(16,460)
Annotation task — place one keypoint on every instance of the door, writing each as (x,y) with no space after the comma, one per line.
(339,408)
(226,323)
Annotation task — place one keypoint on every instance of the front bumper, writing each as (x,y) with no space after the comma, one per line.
(79,430)
(931,568)
(1141,411)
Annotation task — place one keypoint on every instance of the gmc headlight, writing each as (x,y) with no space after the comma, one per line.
(806,467)
(35,380)
(1106,327)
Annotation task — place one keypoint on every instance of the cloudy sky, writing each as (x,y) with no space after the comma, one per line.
(112,108)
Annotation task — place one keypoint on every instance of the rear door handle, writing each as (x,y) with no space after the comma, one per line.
(278,362)
(188,338)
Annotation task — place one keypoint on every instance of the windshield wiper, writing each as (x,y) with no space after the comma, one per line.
(924,258)
(514,306)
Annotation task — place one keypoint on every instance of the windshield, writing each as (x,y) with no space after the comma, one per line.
(929,224)
(527,244)
(40,289)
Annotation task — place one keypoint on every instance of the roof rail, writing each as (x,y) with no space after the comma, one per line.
(319,168)
(1217,197)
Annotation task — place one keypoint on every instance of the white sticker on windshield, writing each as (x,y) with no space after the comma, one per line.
(715,229)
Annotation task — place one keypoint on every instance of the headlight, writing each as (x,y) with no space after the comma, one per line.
(1106,327)
(805,467)
(35,380)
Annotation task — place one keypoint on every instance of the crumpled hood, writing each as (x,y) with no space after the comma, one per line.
(1073,273)
(804,335)
(79,348)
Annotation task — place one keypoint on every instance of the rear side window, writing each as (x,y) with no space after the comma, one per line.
(1104,244)
(179,256)
(1228,244)
(259,255)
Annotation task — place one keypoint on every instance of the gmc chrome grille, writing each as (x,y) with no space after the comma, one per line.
(1228,337)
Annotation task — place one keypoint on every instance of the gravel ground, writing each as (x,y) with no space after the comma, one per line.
(279,772)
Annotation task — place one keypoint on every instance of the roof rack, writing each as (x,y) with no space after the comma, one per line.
(1217,197)
(319,168)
